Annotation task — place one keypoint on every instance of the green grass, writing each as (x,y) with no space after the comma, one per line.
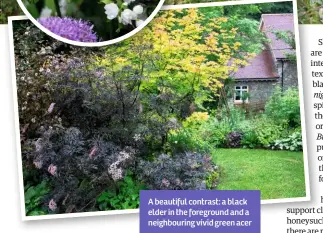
(277,174)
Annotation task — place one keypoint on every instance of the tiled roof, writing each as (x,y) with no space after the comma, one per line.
(260,67)
(277,22)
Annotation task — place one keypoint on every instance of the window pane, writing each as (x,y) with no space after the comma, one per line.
(238,87)
(238,95)
(244,87)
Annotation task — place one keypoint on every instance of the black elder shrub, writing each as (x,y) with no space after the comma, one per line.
(234,139)
(78,168)
(179,172)
(94,102)
(35,54)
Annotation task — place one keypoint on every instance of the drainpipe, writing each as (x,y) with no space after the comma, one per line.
(282,76)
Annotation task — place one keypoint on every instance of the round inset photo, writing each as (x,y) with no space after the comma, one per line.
(91,22)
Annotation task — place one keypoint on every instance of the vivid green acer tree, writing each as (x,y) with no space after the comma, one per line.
(182,56)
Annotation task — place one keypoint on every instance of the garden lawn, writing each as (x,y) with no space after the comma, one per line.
(277,174)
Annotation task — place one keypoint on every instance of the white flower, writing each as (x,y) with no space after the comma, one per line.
(111,10)
(129,1)
(138,9)
(45,12)
(127,16)
(139,22)
(137,137)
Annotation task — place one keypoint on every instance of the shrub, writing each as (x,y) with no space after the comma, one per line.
(179,172)
(78,167)
(212,180)
(190,137)
(234,139)
(187,139)
(250,139)
(215,132)
(42,69)
(284,107)
(244,126)
(292,142)
(196,119)
(233,115)
(267,131)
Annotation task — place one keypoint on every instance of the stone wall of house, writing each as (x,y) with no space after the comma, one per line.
(288,78)
(259,91)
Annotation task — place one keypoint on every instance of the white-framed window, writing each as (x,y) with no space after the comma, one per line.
(241,94)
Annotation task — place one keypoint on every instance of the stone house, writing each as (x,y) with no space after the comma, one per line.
(256,82)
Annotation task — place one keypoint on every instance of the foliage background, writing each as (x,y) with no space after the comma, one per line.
(9,8)
(310,12)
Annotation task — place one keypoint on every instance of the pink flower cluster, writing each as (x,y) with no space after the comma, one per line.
(52,205)
(93,152)
(165,182)
(52,169)
(115,170)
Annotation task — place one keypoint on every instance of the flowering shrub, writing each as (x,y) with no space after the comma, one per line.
(181,171)
(71,162)
(91,20)
(284,107)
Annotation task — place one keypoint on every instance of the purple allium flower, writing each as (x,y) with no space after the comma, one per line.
(72,29)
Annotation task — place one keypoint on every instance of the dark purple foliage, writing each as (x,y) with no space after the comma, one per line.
(78,167)
(179,172)
(234,139)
